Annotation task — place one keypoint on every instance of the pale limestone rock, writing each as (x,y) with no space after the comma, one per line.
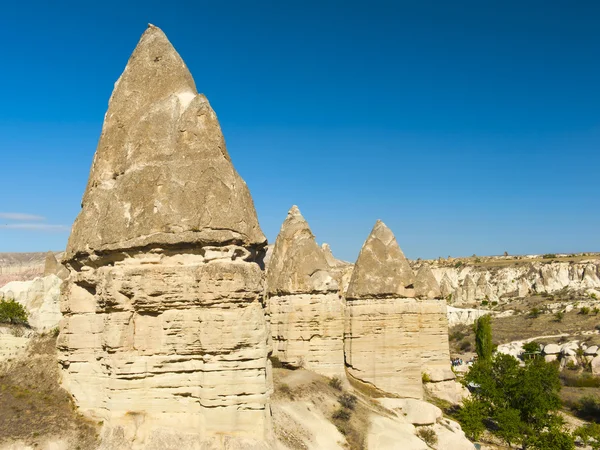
(524,288)
(40,297)
(297,264)
(450,436)
(414,411)
(381,341)
(450,391)
(307,314)
(387,433)
(595,365)
(392,339)
(426,286)
(433,340)
(446,288)
(464,316)
(469,288)
(591,350)
(160,135)
(165,337)
(381,268)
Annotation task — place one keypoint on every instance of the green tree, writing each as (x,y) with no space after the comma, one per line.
(12,312)
(483,337)
(517,403)
(471,417)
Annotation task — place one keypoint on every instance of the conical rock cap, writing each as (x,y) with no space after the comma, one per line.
(381,268)
(297,264)
(161,174)
(426,286)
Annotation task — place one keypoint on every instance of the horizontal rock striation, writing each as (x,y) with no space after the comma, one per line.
(391,337)
(164,335)
(306,312)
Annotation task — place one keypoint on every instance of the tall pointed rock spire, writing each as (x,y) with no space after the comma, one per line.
(426,286)
(381,268)
(297,264)
(161,175)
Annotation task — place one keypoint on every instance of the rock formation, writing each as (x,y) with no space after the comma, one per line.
(433,327)
(307,314)
(165,337)
(426,286)
(53,267)
(40,297)
(386,327)
(520,279)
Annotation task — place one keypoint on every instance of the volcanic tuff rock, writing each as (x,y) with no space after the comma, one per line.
(426,286)
(381,269)
(307,314)
(162,137)
(165,337)
(40,297)
(519,280)
(390,339)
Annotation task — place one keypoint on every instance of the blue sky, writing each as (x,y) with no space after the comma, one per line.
(467,127)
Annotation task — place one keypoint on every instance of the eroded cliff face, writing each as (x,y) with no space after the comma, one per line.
(468,284)
(164,336)
(391,336)
(306,311)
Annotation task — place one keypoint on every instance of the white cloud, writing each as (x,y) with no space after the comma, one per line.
(34,226)
(20,216)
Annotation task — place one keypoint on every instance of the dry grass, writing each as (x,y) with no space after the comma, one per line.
(348,410)
(34,406)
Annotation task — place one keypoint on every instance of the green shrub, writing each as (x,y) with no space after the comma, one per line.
(588,407)
(55,332)
(347,401)
(428,435)
(549,256)
(485,303)
(12,312)
(458,264)
(559,316)
(494,303)
(584,310)
(341,414)
(534,313)
(531,347)
(596,310)
(425,378)
(336,383)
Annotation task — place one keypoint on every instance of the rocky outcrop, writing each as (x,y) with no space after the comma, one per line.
(21,266)
(426,286)
(340,270)
(387,328)
(40,297)
(307,314)
(165,337)
(53,267)
(516,280)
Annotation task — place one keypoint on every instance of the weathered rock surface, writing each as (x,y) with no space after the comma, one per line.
(53,267)
(21,266)
(426,286)
(390,338)
(496,283)
(162,137)
(381,268)
(40,297)
(307,314)
(164,336)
